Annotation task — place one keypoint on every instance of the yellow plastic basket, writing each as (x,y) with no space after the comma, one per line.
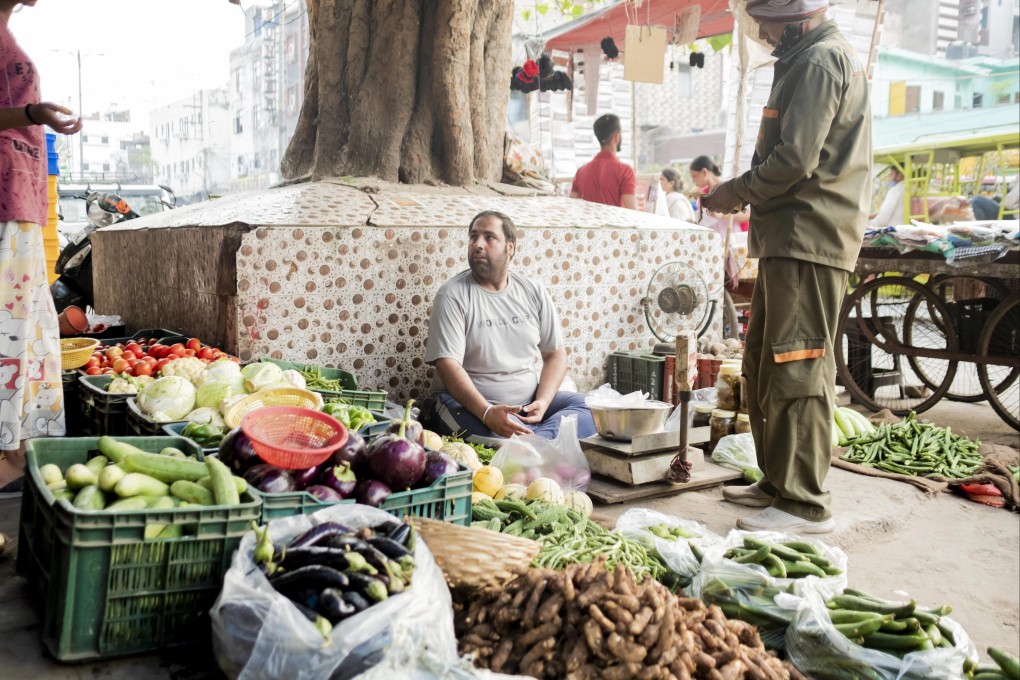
(280,396)
(75,352)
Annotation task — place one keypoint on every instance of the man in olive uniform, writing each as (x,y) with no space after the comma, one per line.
(809,192)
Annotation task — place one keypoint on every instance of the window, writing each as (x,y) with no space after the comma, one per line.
(256,76)
(105,139)
(1003,99)
(292,105)
(938,100)
(106,167)
(978,101)
(185,128)
(238,74)
(256,162)
(290,49)
(241,170)
(238,126)
(684,82)
(255,118)
(913,99)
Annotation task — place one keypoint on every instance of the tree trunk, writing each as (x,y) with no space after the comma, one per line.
(414,91)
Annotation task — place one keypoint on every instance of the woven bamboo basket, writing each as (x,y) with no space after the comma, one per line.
(75,352)
(280,396)
(472,557)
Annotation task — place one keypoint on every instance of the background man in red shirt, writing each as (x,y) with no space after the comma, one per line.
(605,179)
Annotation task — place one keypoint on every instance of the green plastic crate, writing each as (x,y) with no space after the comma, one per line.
(104,590)
(175,429)
(141,425)
(449,499)
(633,371)
(72,404)
(372,400)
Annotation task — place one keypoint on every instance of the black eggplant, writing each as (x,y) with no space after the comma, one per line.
(387,527)
(310,576)
(372,588)
(356,600)
(346,543)
(389,547)
(308,612)
(303,597)
(402,534)
(333,607)
(317,554)
(319,534)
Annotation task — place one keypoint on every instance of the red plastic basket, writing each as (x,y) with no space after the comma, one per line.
(293,438)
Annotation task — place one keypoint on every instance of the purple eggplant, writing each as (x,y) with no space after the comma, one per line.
(354,452)
(396,461)
(372,492)
(270,479)
(407,428)
(236,451)
(437,466)
(324,493)
(341,479)
(305,478)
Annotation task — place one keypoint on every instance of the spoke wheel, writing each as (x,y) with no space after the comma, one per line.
(1001,338)
(970,301)
(872,338)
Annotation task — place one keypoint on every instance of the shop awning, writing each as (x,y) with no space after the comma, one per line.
(612,20)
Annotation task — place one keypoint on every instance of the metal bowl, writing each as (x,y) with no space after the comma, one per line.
(624,424)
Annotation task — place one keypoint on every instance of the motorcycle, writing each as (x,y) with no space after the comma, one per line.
(74,265)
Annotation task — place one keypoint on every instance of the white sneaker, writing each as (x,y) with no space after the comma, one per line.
(774,519)
(752,496)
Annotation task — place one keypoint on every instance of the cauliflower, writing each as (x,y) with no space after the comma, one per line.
(188,368)
(127,384)
(295,378)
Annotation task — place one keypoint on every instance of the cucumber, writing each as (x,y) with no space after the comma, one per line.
(50,473)
(163,503)
(115,450)
(239,482)
(172,452)
(131,503)
(137,484)
(223,489)
(57,486)
(64,495)
(165,468)
(192,492)
(859,628)
(78,477)
(171,531)
(97,463)
(90,498)
(1009,664)
(110,475)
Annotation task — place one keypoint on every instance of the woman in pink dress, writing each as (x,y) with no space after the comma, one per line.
(31,392)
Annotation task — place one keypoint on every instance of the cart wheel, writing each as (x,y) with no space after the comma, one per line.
(969,300)
(1001,340)
(871,341)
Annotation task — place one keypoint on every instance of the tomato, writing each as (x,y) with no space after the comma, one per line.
(194,343)
(134,347)
(93,362)
(93,370)
(114,352)
(143,368)
(178,349)
(159,351)
(206,353)
(189,352)
(120,365)
(128,354)
(150,360)
(161,363)
(107,371)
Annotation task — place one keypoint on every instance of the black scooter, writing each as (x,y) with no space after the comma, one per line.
(74,266)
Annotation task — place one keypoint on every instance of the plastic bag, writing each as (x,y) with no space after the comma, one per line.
(258,633)
(524,458)
(817,649)
(736,451)
(605,396)
(703,395)
(676,554)
(747,592)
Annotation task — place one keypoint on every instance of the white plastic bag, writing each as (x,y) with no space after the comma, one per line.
(736,451)
(704,395)
(605,396)
(676,554)
(524,458)
(817,649)
(748,592)
(408,659)
(259,634)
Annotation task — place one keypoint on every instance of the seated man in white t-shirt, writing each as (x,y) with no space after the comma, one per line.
(495,341)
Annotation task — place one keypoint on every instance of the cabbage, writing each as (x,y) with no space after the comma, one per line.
(221,369)
(294,378)
(260,375)
(213,391)
(172,397)
(206,416)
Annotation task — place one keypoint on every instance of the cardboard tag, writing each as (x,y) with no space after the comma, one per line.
(686,369)
(687,25)
(644,54)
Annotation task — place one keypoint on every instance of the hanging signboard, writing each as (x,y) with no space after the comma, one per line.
(644,54)
(687,25)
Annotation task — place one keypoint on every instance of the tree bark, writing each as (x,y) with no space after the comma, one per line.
(414,91)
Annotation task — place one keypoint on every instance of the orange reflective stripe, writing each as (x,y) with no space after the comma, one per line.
(798,355)
(769,113)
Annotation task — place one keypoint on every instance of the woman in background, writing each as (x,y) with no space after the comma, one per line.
(706,176)
(671,185)
(31,391)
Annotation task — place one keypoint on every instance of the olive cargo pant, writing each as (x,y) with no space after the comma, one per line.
(791,374)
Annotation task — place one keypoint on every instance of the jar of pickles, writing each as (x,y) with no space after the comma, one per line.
(702,414)
(722,423)
(743,423)
(727,387)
